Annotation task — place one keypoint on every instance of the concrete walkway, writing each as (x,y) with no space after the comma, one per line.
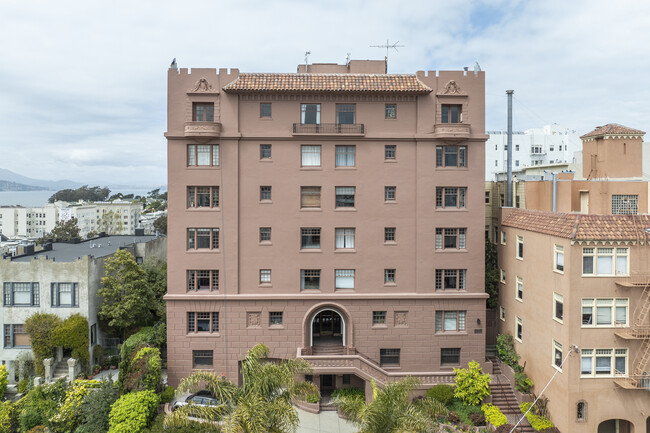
(324,422)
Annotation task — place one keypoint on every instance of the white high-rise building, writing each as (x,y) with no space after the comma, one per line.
(551,144)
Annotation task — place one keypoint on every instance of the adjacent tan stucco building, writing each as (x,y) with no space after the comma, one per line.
(333,214)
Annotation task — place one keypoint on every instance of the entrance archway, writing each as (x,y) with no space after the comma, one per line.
(327,328)
(616,426)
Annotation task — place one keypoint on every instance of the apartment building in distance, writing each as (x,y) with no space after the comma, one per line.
(332,214)
(580,279)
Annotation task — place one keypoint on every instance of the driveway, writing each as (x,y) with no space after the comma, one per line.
(324,422)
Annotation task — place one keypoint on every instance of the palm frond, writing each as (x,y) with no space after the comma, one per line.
(223,390)
(181,417)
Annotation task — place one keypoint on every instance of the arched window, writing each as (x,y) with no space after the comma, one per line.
(581,411)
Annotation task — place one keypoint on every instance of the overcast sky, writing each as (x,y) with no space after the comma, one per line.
(83,83)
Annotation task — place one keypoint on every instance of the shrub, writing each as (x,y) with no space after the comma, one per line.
(4,380)
(493,415)
(72,334)
(313,398)
(506,349)
(41,328)
(38,406)
(477,418)
(538,422)
(472,386)
(192,427)
(132,412)
(523,383)
(441,393)
(68,415)
(453,418)
(98,353)
(96,407)
(349,392)
(505,428)
(9,416)
(23,385)
(39,429)
(167,395)
(145,337)
(144,371)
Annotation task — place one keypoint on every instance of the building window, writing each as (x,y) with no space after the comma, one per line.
(265,151)
(519,329)
(520,289)
(451,156)
(517,147)
(603,362)
(450,279)
(345,156)
(93,334)
(503,238)
(202,359)
(581,411)
(16,336)
(265,109)
(390,193)
(265,193)
(347,379)
(202,196)
(520,247)
(558,307)
(310,114)
(202,238)
(345,114)
(202,111)
(265,234)
(344,278)
(389,276)
(203,155)
(557,355)
(344,238)
(310,196)
(202,321)
(389,357)
(203,279)
(450,321)
(608,312)
(391,111)
(502,276)
(64,294)
(21,294)
(605,261)
(310,156)
(450,197)
(390,152)
(450,356)
(310,237)
(558,258)
(625,204)
(378,318)
(487,197)
(450,238)
(275,318)
(502,313)
(310,279)
(265,276)
(345,196)
(389,234)
(452,113)
(516,163)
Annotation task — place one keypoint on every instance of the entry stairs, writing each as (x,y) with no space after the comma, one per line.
(503,397)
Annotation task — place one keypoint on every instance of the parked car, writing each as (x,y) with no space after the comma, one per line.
(201,398)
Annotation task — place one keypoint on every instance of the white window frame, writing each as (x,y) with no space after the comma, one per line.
(345,155)
(502,313)
(616,254)
(344,238)
(603,353)
(558,299)
(503,237)
(519,322)
(310,155)
(519,289)
(557,348)
(604,304)
(451,321)
(265,276)
(558,258)
(519,251)
(344,279)
(502,276)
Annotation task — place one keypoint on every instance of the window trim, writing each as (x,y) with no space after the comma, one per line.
(519,250)
(458,316)
(557,347)
(12,336)
(55,295)
(519,323)
(558,250)
(457,352)
(345,238)
(193,197)
(316,276)
(345,152)
(214,158)
(214,240)
(9,294)
(441,275)
(458,192)
(394,111)
(596,254)
(379,319)
(266,149)
(273,320)
(196,354)
(615,304)
(344,198)
(265,277)
(592,354)
(309,194)
(344,273)
(519,289)
(502,313)
(270,111)
(445,233)
(213,276)
(263,232)
(308,239)
(390,276)
(192,321)
(312,153)
(461,156)
(386,355)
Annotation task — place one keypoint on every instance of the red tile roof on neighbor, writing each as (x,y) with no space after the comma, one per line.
(581,226)
(612,129)
(375,83)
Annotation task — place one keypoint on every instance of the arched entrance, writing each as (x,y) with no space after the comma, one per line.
(616,426)
(327,328)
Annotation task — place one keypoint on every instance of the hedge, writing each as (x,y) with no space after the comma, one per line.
(132,412)
(536,421)
(493,415)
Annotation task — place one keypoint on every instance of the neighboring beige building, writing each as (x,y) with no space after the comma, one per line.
(576,279)
(331,214)
(62,280)
(32,222)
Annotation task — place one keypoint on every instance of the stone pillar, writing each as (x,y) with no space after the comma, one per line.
(369,396)
(72,369)
(37,381)
(11,372)
(47,363)
(59,354)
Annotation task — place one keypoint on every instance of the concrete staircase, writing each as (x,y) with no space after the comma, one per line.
(328,350)
(61,370)
(503,396)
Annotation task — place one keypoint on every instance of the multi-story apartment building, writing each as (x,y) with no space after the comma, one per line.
(332,214)
(551,144)
(61,280)
(583,280)
(28,221)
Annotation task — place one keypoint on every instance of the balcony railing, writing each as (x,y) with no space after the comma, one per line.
(453,131)
(329,128)
(634,333)
(202,129)
(634,281)
(634,382)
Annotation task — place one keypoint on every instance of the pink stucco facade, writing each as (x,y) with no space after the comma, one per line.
(376,253)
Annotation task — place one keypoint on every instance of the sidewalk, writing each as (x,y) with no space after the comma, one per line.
(324,422)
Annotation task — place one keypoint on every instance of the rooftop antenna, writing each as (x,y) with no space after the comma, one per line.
(347,60)
(307,53)
(388,46)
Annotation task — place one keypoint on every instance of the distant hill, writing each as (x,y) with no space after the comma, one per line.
(53,185)
(6,185)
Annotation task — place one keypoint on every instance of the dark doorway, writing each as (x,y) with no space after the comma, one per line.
(327,384)
(327,329)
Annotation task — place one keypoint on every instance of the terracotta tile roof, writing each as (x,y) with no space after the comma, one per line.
(612,129)
(375,83)
(580,226)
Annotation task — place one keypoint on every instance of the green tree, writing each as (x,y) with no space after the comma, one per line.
(72,334)
(262,404)
(96,407)
(491,274)
(472,385)
(110,222)
(41,328)
(62,231)
(126,296)
(94,193)
(160,224)
(392,410)
(156,275)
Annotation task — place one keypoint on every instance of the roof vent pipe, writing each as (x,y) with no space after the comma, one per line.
(509,181)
